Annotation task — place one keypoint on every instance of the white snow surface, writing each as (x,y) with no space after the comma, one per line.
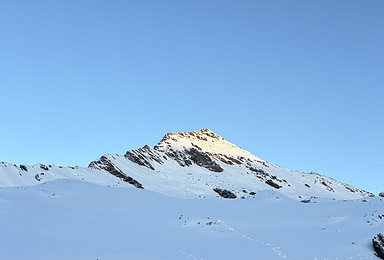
(72,219)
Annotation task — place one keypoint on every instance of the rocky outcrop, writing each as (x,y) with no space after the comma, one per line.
(44,167)
(144,156)
(272,184)
(187,157)
(203,160)
(227,194)
(378,245)
(181,158)
(105,164)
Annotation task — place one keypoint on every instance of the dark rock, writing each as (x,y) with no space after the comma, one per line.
(226,159)
(45,168)
(189,156)
(307,185)
(37,177)
(329,188)
(144,156)
(259,171)
(202,138)
(196,146)
(181,158)
(139,157)
(252,193)
(378,245)
(105,164)
(305,201)
(225,193)
(23,167)
(203,160)
(272,184)
(381,194)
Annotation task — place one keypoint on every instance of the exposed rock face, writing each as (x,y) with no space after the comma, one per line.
(143,156)
(274,185)
(227,194)
(179,156)
(210,143)
(37,177)
(187,157)
(203,160)
(43,167)
(378,245)
(105,164)
(146,156)
(381,194)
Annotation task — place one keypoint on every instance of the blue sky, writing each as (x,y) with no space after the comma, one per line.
(297,83)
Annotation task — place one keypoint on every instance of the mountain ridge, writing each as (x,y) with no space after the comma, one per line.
(190,164)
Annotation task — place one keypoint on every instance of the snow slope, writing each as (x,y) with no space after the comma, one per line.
(71,219)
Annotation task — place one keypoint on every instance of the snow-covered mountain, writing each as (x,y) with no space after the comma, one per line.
(189,165)
(138,208)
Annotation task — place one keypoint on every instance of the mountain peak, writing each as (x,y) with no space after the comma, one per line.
(202,135)
(209,142)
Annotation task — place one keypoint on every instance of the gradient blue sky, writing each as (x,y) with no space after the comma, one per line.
(297,83)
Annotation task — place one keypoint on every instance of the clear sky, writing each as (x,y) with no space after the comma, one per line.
(297,83)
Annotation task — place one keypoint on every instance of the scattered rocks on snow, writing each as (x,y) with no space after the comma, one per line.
(37,177)
(259,171)
(226,159)
(225,193)
(272,184)
(350,189)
